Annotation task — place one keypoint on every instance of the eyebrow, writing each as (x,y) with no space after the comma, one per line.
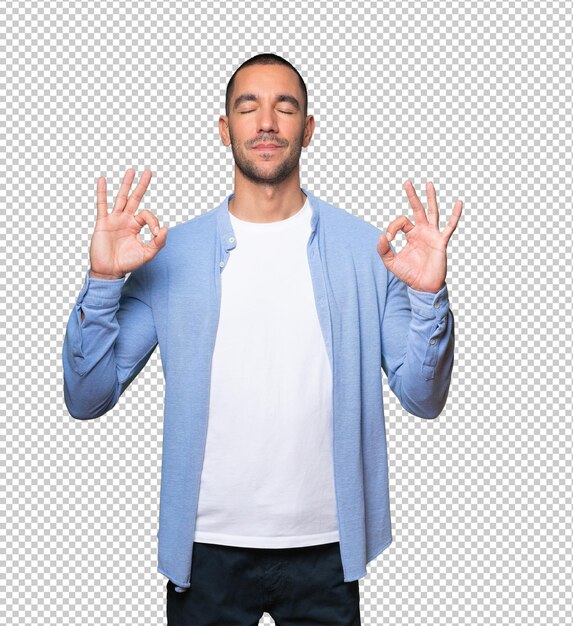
(283,97)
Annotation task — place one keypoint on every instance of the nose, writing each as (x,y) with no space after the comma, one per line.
(267,119)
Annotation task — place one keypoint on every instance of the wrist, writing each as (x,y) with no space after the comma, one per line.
(104,276)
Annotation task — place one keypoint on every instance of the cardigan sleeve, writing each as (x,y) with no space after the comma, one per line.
(103,353)
(417,330)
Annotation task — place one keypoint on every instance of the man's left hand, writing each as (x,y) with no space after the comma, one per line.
(421,263)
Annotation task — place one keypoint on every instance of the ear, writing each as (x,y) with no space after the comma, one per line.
(224,130)
(308,130)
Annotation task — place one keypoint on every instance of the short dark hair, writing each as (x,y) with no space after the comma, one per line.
(266,58)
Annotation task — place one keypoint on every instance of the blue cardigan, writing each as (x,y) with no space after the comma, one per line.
(371,321)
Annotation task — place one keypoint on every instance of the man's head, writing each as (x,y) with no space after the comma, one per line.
(266,103)
(265,59)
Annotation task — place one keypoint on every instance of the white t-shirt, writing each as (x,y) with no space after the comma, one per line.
(267,478)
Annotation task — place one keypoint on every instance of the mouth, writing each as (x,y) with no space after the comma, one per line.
(269,147)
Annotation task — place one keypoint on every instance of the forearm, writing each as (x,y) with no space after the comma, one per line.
(97,276)
(421,327)
(90,371)
(423,380)
(109,337)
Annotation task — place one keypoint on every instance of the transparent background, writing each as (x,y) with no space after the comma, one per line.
(475,96)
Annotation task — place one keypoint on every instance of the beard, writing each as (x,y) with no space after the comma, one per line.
(263,175)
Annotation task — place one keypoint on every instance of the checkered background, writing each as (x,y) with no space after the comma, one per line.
(475,96)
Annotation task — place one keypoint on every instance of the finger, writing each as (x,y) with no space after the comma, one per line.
(433,211)
(137,193)
(385,251)
(400,223)
(453,221)
(101,197)
(121,197)
(146,217)
(153,246)
(417,206)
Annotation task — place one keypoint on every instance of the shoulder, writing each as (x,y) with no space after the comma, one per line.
(355,240)
(191,236)
(193,227)
(355,229)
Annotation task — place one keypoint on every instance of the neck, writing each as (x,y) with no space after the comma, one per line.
(266,203)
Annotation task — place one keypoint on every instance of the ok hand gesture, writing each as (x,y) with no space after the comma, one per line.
(116,246)
(421,263)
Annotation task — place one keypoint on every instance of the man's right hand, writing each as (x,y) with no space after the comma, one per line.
(116,247)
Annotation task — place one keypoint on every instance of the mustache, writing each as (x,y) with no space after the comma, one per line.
(269,142)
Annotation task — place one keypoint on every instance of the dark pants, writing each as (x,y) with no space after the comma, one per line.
(234,586)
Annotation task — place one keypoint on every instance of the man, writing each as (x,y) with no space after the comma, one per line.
(275,313)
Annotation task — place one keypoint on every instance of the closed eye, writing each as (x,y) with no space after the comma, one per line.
(251,110)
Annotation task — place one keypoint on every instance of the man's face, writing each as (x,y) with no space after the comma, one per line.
(268,119)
